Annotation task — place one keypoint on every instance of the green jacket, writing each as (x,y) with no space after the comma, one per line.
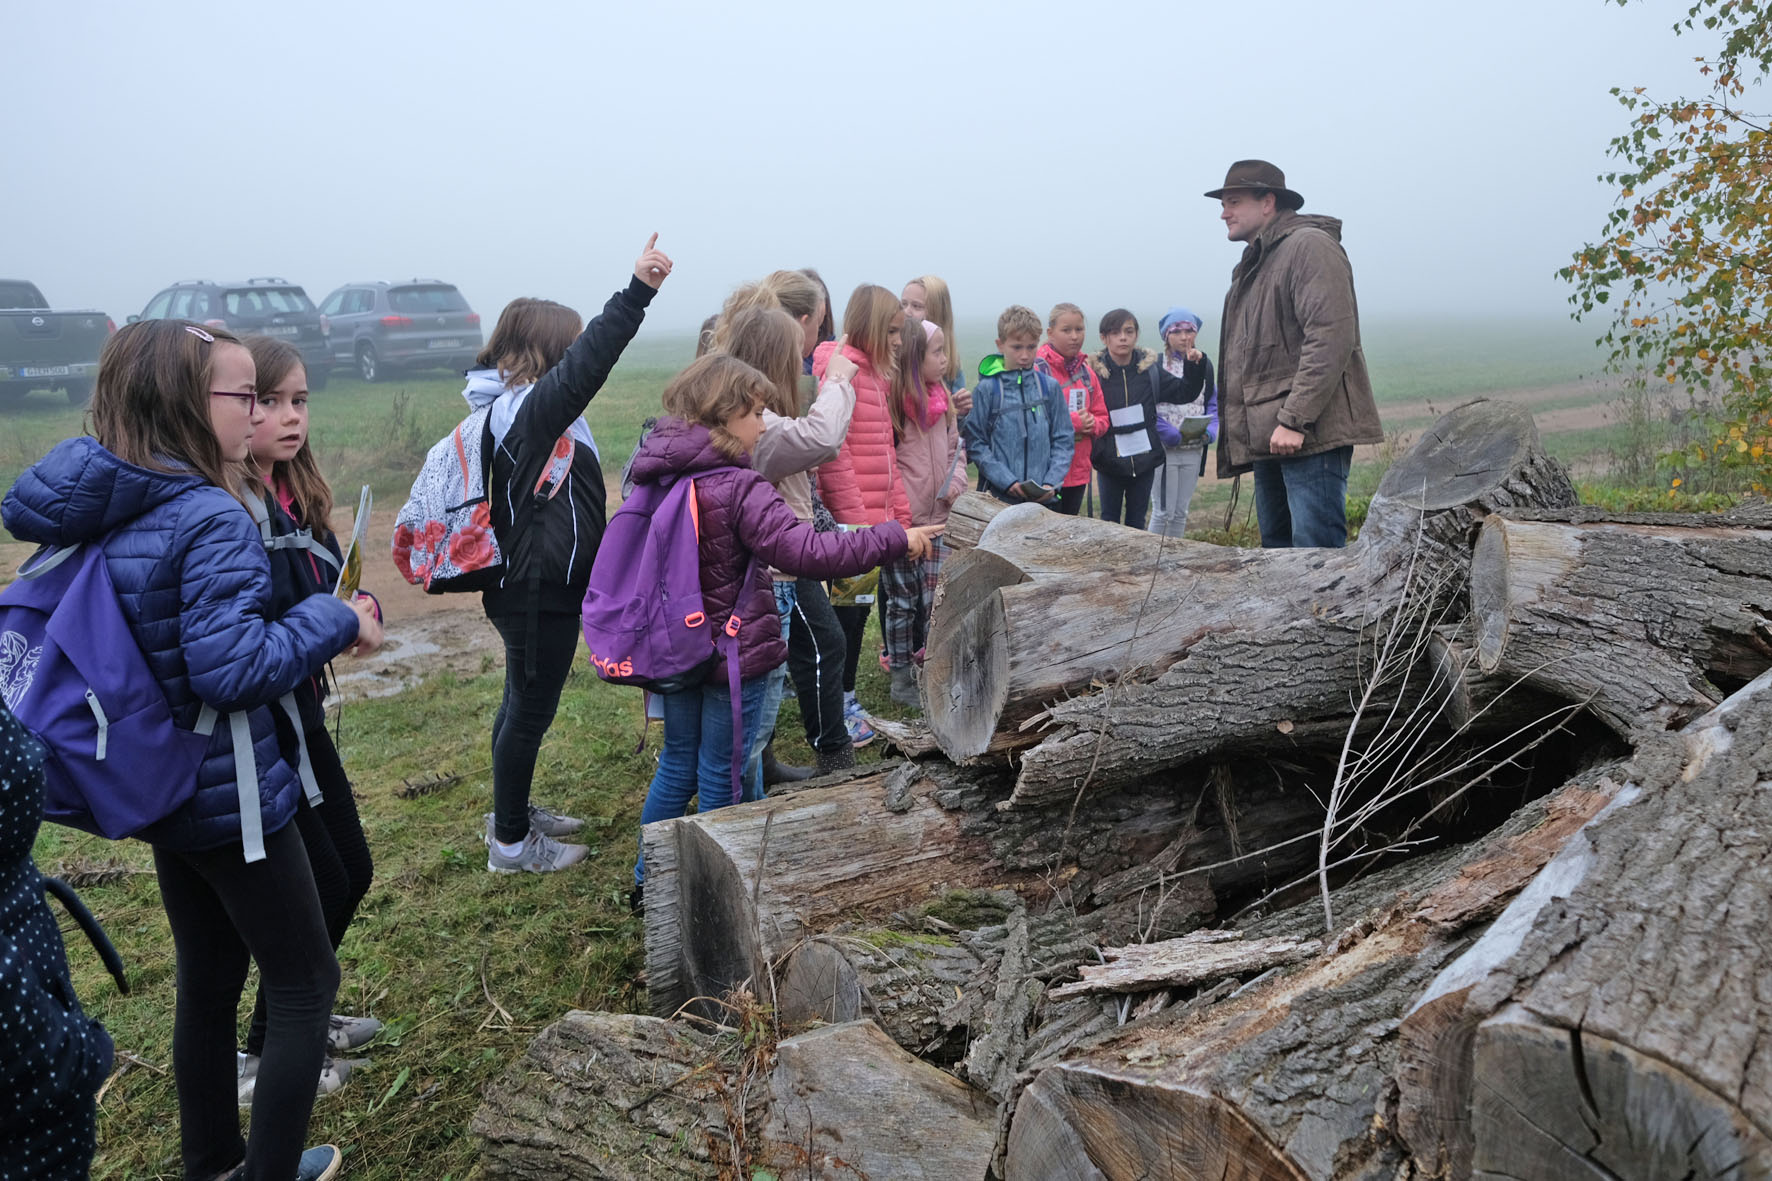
(1289,346)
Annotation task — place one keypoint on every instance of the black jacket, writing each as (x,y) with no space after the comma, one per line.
(549,544)
(1126,385)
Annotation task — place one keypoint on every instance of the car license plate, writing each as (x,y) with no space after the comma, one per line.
(45,371)
(281,330)
(452,342)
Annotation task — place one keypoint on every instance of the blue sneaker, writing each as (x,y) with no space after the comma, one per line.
(855,721)
(319,1164)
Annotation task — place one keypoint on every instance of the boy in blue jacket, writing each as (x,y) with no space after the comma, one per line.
(1019,430)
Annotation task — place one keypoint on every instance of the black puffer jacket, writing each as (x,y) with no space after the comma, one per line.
(549,544)
(53,1057)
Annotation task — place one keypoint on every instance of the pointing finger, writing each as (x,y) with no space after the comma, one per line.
(652,241)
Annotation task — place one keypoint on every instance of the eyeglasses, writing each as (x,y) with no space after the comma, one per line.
(247,401)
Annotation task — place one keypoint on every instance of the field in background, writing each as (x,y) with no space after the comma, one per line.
(466,967)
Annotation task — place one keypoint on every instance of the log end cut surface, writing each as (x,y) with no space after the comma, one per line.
(966,672)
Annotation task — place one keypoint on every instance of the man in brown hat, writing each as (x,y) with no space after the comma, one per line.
(1293,395)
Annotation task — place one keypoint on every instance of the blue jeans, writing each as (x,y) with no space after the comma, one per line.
(785,598)
(1303,502)
(696,759)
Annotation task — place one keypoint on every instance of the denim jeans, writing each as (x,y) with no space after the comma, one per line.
(785,599)
(1303,502)
(696,759)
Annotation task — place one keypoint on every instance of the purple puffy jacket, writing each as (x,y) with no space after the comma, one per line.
(742,514)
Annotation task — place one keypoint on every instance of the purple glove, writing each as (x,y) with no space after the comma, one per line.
(1168,432)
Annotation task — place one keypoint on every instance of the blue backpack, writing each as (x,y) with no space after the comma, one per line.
(643,617)
(73,674)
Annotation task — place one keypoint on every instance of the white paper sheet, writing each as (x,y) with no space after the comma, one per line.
(1126,416)
(1132,443)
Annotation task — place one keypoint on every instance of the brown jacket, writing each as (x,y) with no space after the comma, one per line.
(1289,346)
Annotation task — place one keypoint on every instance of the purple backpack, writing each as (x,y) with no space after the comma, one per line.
(71,671)
(643,617)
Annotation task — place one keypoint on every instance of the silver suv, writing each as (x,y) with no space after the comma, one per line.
(419,324)
(270,307)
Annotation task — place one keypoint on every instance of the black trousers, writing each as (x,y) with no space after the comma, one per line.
(1070,499)
(1126,500)
(817,662)
(526,711)
(224,913)
(338,852)
(855,626)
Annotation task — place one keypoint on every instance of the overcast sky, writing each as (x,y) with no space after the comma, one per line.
(1028,152)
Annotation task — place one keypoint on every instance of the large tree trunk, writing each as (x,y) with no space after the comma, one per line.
(1614,1022)
(1290,1078)
(730,893)
(1651,620)
(1185,648)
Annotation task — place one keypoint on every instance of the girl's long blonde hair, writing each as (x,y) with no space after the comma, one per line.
(310,495)
(867,322)
(768,340)
(150,401)
(938,307)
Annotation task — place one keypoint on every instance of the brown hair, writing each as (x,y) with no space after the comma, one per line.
(310,494)
(704,340)
(768,340)
(867,322)
(713,389)
(1017,320)
(531,337)
(910,384)
(827,324)
(791,291)
(1116,320)
(1062,309)
(938,306)
(150,401)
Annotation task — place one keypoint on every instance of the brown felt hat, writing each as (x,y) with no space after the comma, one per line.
(1262,177)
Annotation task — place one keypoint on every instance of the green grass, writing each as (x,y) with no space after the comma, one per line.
(435,938)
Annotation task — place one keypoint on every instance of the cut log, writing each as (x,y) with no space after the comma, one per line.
(903,983)
(968,518)
(1652,622)
(846,1102)
(605,1095)
(1628,973)
(1289,1078)
(732,892)
(1183,649)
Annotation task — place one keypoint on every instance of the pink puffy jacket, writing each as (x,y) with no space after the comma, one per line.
(862,485)
(932,465)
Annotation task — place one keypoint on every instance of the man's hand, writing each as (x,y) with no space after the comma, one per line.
(1284,441)
(839,367)
(653,264)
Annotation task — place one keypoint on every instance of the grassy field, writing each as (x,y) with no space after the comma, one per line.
(463,966)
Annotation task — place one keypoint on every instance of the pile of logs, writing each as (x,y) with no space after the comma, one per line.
(1445,855)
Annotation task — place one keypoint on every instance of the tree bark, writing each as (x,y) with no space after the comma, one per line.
(605,1095)
(1626,980)
(1652,622)
(1290,1078)
(1179,649)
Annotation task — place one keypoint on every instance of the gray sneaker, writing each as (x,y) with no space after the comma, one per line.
(540,854)
(333,1075)
(551,824)
(347,1033)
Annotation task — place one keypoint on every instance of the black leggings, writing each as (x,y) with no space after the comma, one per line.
(1070,499)
(855,626)
(526,711)
(338,853)
(817,655)
(225,912)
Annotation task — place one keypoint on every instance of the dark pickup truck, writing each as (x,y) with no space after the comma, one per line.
(42,349)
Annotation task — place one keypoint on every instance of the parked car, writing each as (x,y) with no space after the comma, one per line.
(41,349)
(418,324)
(267,306)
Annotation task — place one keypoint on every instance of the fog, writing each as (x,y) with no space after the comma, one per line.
(1029,152)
